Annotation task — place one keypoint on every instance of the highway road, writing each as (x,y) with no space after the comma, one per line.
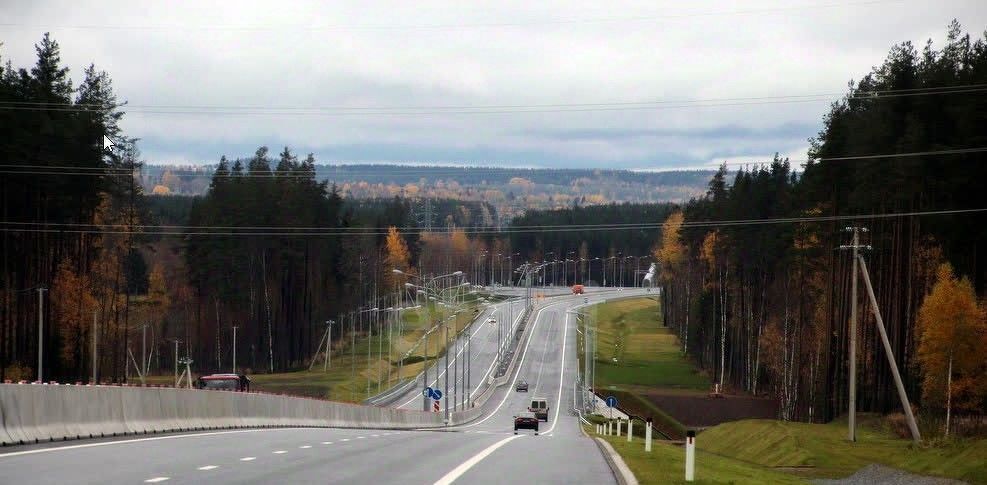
(484,451)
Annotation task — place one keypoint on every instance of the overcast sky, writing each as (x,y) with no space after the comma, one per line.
(258,62)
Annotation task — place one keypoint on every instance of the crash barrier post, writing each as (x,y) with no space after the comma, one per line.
(690,455)
(630,429)
(618,427)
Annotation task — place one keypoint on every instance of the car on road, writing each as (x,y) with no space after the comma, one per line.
(525,420)
(522,386)
(539,406)
(577,289)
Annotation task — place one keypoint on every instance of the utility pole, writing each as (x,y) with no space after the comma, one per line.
(95,356)
(854,246)
(41,335)
(234,348)
(446,325)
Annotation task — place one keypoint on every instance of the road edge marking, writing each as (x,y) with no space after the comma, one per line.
(463,467)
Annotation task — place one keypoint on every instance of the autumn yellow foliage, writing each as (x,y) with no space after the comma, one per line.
(953,343)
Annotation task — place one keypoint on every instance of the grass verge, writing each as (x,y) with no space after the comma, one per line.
(666,464)
(821,450)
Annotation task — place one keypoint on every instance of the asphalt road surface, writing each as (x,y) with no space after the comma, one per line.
(485,451)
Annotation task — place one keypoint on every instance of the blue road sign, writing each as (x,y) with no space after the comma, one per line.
(436,394)
(427,392)
(611,402)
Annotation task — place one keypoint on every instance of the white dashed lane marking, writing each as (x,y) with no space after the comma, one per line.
(279,452)
(248,458)
(155,479)
(305,447)
(208,467)
(327,442)
(359,437)
(345,439)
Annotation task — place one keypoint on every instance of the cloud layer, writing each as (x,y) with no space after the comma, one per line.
(289,55)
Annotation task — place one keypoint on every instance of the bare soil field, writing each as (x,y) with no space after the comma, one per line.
(696,410)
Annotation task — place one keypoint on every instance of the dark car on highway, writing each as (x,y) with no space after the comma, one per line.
(522,386)
(525,420)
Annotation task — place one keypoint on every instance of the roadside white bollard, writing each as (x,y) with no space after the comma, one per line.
(609,428)
(647,435)
(630,429)
(618,426)
(690,456)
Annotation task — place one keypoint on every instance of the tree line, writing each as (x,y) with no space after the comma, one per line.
(764,307)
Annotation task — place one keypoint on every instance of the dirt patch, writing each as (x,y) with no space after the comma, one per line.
(699,411)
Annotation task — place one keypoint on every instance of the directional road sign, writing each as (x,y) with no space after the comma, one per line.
(611,402)
(427,392)
(436,394)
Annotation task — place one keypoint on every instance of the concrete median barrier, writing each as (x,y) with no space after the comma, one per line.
(38,413)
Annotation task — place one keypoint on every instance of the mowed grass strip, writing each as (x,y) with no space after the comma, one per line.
(822,450)
(666,464)
(647,354)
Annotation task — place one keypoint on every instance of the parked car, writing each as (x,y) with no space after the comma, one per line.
(224,382)
(539,406)
(522,386)
(525,420)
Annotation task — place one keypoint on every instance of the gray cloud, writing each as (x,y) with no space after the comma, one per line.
(295,54)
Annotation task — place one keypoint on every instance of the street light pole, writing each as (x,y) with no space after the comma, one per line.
(234,348)
(41,335)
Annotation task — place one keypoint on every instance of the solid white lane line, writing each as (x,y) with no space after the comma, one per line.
(156,438)
(305,447)
(156,479)
(457,472)
(208,467)
(558,402)
(279,452)
(248,458)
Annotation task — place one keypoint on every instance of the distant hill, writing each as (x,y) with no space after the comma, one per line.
(510,190)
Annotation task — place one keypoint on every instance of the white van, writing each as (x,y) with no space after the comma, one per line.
(539,406)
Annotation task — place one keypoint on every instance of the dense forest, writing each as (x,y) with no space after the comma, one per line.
(596,239)
(764,307)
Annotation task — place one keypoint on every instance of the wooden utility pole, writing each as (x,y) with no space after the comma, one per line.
(854,246)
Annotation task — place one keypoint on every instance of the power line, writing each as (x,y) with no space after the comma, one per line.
(857,94)
(458,26)
(44,170)
(331,111)
(372,231)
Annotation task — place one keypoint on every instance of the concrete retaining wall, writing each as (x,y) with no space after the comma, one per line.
(36,413)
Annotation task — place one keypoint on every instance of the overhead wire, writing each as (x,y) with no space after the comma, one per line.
(450,26)
(38,169)
(498,109)
(80,228)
